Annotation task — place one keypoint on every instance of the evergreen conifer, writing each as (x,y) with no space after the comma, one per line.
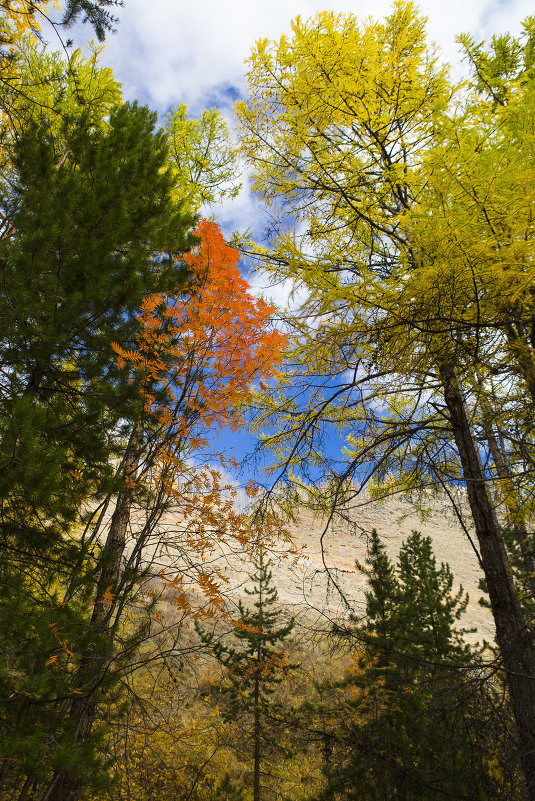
(94,228)
(413,717)
(256,664)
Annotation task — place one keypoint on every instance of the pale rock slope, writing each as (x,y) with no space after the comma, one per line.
(307,587)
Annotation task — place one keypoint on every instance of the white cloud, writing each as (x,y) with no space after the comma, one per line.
(166,52)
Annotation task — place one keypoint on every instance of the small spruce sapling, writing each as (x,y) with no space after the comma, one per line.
(256,663)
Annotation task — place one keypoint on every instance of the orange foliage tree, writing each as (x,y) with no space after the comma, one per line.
(197,357)
(200,354)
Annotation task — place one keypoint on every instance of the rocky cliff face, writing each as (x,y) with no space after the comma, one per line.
(322,583)
(319,580)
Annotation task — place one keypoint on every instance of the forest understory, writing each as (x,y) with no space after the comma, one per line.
(347,612)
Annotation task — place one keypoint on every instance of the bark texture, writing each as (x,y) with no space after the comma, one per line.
(514,513)
(514,639)
(66,784)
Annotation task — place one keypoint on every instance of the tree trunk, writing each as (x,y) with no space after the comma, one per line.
(256,735)
(523,354)
(515,641)
(34,381)
(66,785)
(512,503)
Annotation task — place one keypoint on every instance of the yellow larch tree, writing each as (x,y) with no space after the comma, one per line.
(411,240)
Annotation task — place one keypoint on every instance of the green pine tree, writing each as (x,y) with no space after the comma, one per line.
(414,718)
(427,611)
(93,228)
(381,594)
(256,664)
(96,12)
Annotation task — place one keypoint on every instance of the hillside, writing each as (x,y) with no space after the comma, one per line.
(304,584)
